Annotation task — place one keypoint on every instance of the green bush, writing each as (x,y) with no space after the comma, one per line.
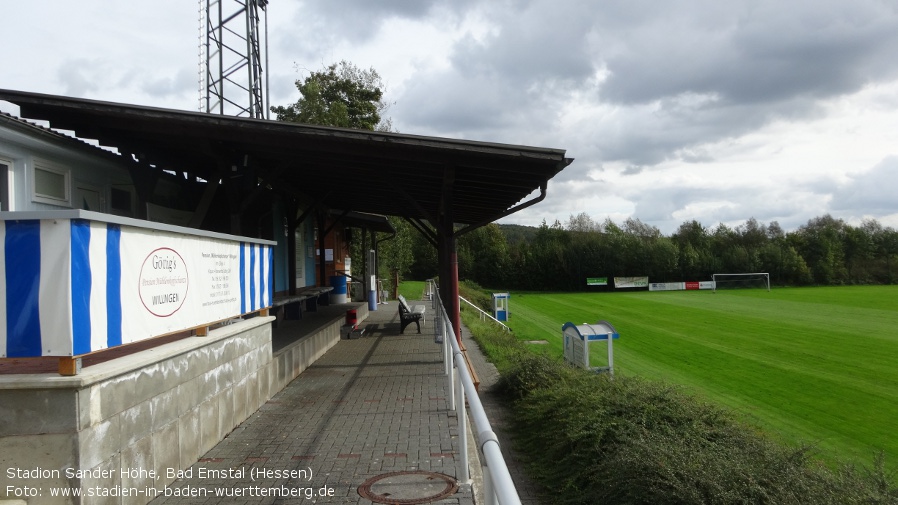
(595,440)
(591,439)
(533,372)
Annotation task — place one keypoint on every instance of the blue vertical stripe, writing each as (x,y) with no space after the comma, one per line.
(242,278)
(81,285)
(113,285)
(252,277)
(23,266)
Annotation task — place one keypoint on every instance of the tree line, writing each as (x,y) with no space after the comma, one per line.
(824,251)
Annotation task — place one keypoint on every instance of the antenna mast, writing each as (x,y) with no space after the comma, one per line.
(231,77)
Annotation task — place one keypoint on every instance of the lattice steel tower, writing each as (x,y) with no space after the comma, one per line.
(231,76)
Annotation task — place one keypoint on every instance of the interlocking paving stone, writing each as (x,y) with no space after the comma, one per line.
(369,406)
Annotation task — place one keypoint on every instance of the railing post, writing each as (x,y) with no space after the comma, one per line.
(452,372)
(447,351)
(499,488)
(461,415)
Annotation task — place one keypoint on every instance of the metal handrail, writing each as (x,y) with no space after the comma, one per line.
(498,485)
(484,314)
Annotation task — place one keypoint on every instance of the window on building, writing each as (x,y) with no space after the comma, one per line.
(52,184)
(5,167)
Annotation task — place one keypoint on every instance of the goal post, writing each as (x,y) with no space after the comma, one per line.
(743,280)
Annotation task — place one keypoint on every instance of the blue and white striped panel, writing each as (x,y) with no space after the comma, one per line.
(63,288)
(113,253)
(37,280)
(91,278)
(255,277)
(95,287)
(21,246)
(55,288)
(268,292)
(57,299)
(3,308)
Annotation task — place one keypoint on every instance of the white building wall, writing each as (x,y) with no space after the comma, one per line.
(92,173)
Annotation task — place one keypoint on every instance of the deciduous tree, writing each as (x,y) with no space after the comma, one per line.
(341,95)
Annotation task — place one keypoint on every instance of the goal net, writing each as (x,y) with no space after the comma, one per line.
(741,281)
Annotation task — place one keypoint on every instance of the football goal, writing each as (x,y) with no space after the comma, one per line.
(741,281)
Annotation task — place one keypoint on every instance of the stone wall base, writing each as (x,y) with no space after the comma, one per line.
(128,425)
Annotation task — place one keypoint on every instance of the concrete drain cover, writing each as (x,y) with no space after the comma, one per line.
(406,488)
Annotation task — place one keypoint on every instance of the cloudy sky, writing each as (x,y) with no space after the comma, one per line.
(717,110)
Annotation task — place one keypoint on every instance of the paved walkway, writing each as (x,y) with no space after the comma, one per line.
(368,407)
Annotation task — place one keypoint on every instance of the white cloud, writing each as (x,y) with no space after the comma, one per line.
(872,191)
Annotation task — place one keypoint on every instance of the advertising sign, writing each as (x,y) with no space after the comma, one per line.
(631,282)
(171,282)
(668,286)
(597,281)
(680,286)
(74,286)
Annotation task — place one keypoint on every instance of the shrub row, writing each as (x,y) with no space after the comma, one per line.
(591,439)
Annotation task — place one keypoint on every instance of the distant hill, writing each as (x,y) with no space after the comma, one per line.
(516,233)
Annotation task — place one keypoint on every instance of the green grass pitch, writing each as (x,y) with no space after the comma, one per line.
(811,365)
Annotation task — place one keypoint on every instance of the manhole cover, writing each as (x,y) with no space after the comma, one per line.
(406,488)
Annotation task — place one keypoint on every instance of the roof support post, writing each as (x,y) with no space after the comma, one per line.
(448,254)
(321,249)
(292,225)
(448,270)
(371,270)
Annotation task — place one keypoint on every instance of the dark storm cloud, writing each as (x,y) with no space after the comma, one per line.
(507,85)
(359,20)
(683,75)
(676,128)
(752,64)
(757,52)
(471,107)
(463,104)
(318,27)
(541,42)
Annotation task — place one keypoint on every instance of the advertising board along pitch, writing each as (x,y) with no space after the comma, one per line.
(76,282)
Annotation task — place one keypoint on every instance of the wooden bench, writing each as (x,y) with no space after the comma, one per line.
(409,315)
(292,304)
